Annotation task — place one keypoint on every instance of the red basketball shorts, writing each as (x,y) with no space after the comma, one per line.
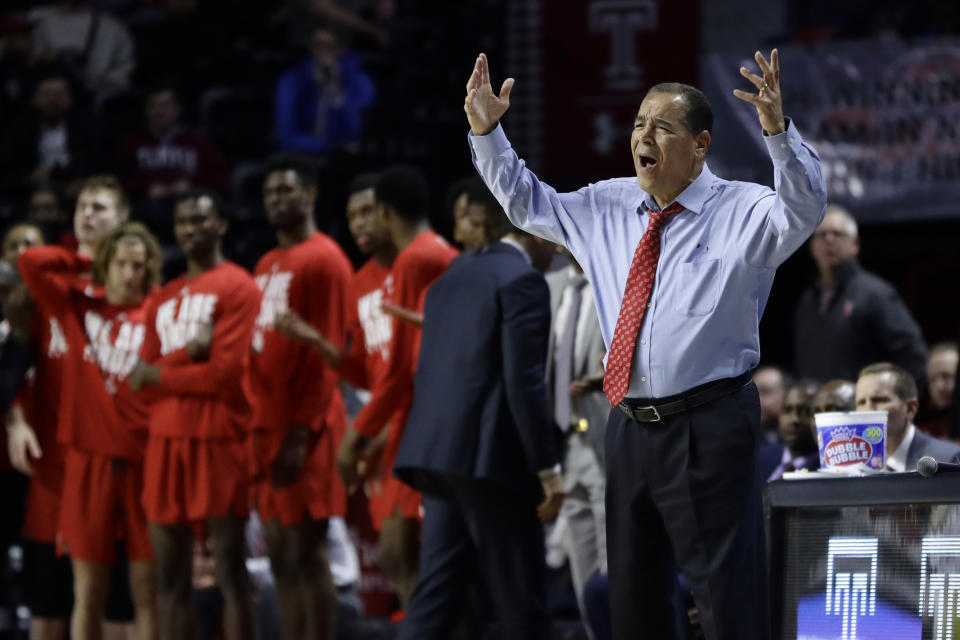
(101,506)
(187,481)
(317,494)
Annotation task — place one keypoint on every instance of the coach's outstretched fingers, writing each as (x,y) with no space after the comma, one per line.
(483,107)
(768,100)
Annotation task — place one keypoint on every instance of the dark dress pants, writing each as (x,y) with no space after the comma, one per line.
(682,493)
(478,532)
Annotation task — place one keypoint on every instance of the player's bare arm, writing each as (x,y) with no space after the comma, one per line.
(198,349)
(288,465)
(299,330)
(22,441)
(406,315)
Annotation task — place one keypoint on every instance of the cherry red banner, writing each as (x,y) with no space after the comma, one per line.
(598,59)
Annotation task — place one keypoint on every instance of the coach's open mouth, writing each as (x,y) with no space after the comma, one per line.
(646,162)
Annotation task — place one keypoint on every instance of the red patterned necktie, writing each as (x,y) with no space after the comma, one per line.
(636,295)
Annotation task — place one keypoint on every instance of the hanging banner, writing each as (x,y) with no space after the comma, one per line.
(598,59)
(885,119)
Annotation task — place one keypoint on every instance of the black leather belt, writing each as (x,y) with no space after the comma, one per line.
(655,409)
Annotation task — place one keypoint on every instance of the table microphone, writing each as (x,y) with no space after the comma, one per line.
(929,467)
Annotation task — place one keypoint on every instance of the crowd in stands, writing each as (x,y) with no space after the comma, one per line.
(181,98)
(172,94)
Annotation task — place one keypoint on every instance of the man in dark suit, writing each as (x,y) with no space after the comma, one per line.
(798,449)
(887,387)
(479,442)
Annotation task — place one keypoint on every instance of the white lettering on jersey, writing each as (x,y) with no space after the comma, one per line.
(115,358)
(58,341)
(179,319)
(166,156)
(276,299)
(377,325)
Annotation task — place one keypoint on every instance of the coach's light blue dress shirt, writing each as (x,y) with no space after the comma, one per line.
(717,258)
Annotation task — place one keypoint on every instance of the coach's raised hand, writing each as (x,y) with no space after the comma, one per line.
(769,99)
(483,107)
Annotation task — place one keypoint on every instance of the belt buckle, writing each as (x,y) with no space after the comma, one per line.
(656,414)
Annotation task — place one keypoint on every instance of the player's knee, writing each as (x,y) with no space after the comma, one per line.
(277,554)
(173,576)
(144,583)
(282,563)
(144,593)
(90,589)
(232,576)
(310,559)
(48,628)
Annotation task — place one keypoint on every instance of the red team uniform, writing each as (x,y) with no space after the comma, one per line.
(391,382)
(196,465)
(102,425)
(369,329)
(289,382)
(39,399)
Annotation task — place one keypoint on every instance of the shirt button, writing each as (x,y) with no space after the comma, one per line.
(783,145)
(643,341)
(643,378)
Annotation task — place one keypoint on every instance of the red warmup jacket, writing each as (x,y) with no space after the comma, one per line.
(414,270)
(203,400)
(289,383)
(98,412)
(369,329)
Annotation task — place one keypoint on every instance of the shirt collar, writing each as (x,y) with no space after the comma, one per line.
(693,198)
(898,459)
(519,247)
(799,461)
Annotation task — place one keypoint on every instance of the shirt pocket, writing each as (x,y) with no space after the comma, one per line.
(699,288)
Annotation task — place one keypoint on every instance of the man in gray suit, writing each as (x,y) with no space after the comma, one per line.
(887,387)
(580,410)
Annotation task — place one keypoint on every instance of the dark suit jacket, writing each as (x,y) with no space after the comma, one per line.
(770,456)
(866,321)
(479,403)
(924,445)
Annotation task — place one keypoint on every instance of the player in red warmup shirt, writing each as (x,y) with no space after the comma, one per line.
(388,369)
(365,361)
(32,439)
(401,200)
(368,329)
(196,467)
(366,354)
(296,406)
(102,425)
